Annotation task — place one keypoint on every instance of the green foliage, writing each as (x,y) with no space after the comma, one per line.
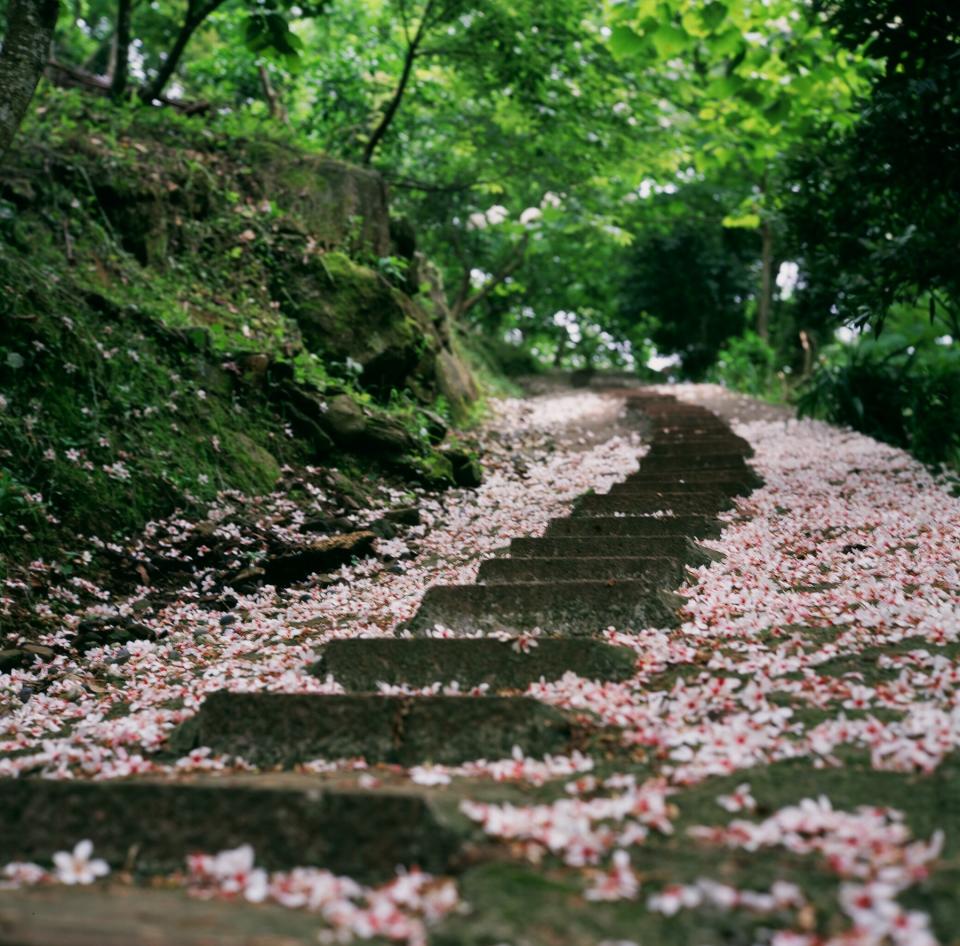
(875,211)
(748,364)
(902,393)
(109,420)
(593,181)
(690,275)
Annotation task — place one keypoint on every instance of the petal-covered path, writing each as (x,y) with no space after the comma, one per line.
(576,754)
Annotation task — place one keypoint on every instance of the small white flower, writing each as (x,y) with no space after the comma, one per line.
(476,221)
(76,867)
(428,775)
(531,215)
(739,799)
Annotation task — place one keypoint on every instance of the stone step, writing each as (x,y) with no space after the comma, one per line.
(151,825)
(652,501)
(716,439)
(269,729)
(669,483)
(670,572)
(697,527)
(694,449)
(678,448)
(61,915)
(360,664)
(681,464)
(591,547)
(671,414)
(703,478)
(572,608)
(685,418)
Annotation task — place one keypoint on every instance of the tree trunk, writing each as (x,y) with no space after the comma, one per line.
(275,106)
(121,61)
(26,46)
(765,303)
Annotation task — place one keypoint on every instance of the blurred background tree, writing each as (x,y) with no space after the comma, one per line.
(708,188)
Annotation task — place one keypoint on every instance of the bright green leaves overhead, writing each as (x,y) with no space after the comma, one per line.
(626,42)
(267,31)
(753,78)
(743,221)
(669,40)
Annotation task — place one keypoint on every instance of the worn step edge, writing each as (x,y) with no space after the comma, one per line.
(652,502)
(573,608)
(697,527)
(151,825)
(360,664)
(670,571)
(739,486)
(286,728)
(682,548)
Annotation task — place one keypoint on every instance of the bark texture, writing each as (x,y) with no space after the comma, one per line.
(26,45)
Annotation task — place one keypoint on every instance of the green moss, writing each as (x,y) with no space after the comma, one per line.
(525,905)
(112,420)
(151,274)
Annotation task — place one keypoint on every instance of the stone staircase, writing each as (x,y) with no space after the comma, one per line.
(612,562)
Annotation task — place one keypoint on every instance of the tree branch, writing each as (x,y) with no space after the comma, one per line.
(464,303)
(195,16)
(394,106)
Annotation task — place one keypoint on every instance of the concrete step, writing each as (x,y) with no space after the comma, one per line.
(600,526)
(151,825)
(680,548)
(669,483)
(572,608)
(360,664)
(704,478)
(694,448)
(670,572)
(121,915)
(685,418)
(652,501)
(713,440)
(690,462)
(660,417)
(270,729)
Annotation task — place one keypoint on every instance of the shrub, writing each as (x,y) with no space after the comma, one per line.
(747,363)
(907,395)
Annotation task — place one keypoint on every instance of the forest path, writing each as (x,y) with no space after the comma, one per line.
(538,621)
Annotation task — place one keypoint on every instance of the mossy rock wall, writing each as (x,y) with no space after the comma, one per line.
(190,304)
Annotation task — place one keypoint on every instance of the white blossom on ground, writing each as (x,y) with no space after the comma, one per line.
(77,866)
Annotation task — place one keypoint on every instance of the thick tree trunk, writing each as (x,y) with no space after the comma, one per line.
(765,303)
(26,46)
(121,61)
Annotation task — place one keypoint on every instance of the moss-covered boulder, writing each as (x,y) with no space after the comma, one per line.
(349,312)
(340,205)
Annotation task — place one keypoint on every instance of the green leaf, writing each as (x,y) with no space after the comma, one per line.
(724,87)
(712,15)
(742,222)
(626,42)
(779,111)
(669,40)
(727,43)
